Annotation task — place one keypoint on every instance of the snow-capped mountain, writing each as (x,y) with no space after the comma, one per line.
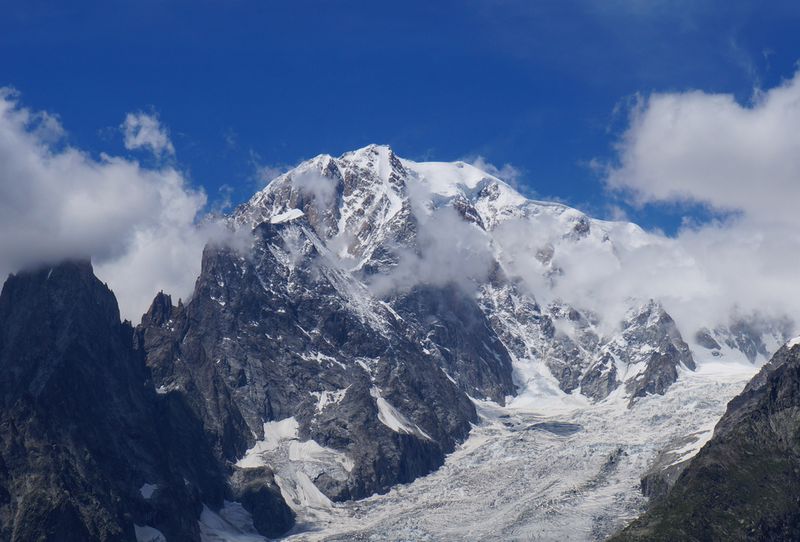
(342,346)
(371,319)
(402,227)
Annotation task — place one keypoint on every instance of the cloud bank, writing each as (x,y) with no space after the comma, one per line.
(744,159)
(138,225)
(707,148)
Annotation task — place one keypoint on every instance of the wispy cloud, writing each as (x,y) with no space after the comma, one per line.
(264,173)
(507,172)
(144,131)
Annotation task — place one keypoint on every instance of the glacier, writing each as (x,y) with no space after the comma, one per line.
(509,481)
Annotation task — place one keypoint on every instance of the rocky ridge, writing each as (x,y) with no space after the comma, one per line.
(742,484)
(375,296)
(89,450)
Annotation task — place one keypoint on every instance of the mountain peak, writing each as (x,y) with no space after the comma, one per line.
(371,149)
(61,290)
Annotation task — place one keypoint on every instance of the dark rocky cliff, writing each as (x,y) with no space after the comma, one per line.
(88,448)
(270,332)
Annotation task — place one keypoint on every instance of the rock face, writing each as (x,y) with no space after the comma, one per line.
(455,325)
(283,333)
(650,338)
(89,451)
(743,484)
(756,337)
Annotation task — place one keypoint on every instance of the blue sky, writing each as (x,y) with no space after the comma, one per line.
(544,86)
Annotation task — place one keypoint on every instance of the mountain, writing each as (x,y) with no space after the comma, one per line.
(366,316)
(368,301)
(89,450)
(743,484)
(417,232)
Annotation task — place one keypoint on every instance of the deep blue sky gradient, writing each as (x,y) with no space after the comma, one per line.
(542,85)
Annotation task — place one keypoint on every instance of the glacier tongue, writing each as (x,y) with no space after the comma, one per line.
(526,473)
(295,462)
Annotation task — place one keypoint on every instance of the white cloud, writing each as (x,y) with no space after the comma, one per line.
(141,130)
(315,186)
(696,147)
(137,224)
(264,174)
(449,251)
(707,148)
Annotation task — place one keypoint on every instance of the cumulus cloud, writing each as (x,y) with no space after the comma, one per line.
(265,173)
(137,224)
(742,160)
(708,148)
(143,131)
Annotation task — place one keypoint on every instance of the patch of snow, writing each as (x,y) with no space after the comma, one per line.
(446,374)
(232,524)
(286,216)
(394,419)
(325,397)
(301,494)
(321,358)
(235,514)
(295,464)
(147,490)
(362,362)
(274,434)
(794,342)
(309,451)
(691,448)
